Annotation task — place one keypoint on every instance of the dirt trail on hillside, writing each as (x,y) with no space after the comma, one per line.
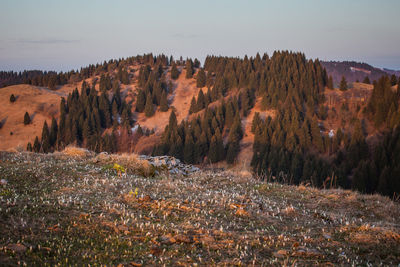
(246,144)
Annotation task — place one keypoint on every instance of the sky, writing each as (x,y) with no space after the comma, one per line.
(64,35)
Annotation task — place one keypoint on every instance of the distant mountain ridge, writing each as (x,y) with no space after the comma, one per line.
(354,71)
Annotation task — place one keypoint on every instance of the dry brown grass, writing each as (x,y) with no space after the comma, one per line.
(41,104)
(130,162)
(74,151)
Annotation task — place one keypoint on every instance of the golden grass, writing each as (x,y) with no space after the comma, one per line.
(76,151)
(130,162)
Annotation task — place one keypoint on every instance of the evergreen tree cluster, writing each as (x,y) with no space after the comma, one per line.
(381,171)
(201,139)
(383,106)
(83,118)
(51,78)
(153,90)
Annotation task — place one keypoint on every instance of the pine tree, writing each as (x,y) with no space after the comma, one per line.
(213,150)
(343,84)
(164,102)
(256,122)
(173,123)
(27,118)
(149,108)
(174,72)
(53,132)
(36,145)
(12,98)
(200,100)
(29,147)
(188,150)
(201,78)
(366,80)
(140,101)
(193,106)
(330,82)
(189,69)
(104,108)
(45,138)
(316,135)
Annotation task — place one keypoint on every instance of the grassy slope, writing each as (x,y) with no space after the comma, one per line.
(77,210)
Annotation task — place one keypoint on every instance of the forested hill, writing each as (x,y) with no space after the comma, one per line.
(355,71)
(283,113)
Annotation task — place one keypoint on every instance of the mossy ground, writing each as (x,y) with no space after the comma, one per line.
(61,210)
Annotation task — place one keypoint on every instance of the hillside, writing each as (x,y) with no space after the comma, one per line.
(276,116)
(354,71)
(74,208)
(41,104)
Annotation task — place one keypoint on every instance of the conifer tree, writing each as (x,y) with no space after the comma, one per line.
(201,78)
(174,72)
(27,118)
(140,101)
(256,122)
(213,150)
(12,98)
(188,150)
(343,84)
(189,69)
(193,106)
(164,102)
(29,147)
(173,123)
(330,82)
(149,108)
(366,80)
(36,145)
(200,100)
(45,138)
(53,132)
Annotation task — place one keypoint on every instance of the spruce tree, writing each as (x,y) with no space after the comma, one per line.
(45,138)
(188,150)
(140,101)
(201,78)
(366,80)
(29,147)
(53,132)
(189,69)
(330,82)
(213,150)
(164,102)
(256,122)
(149,108)
(343,84)
(27,118)
(36,145)
(12,98)
(174,72)
(193,106)
(173,123)
(200,100)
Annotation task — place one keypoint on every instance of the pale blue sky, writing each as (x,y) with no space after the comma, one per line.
(61,35)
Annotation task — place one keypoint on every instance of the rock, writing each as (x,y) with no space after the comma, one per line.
(173,165)
(167,240)
(280,253)
(19,248)
(3,182)
(183,239)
